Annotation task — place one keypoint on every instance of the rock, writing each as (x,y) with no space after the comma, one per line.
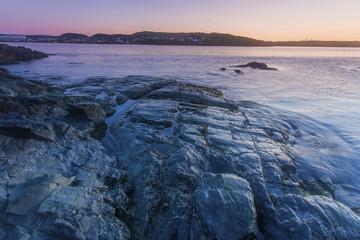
(89,118)
(51,196)
(180,144)
(18,126)
(87,111)
(187,163)
(65,229)
(10,54)
(238,71)
(10,106)
(222,69)
(225,202)
(257,65)
(314,216)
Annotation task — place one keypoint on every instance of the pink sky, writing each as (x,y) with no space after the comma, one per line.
(261,19)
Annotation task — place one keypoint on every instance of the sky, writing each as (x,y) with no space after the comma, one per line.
(274,20)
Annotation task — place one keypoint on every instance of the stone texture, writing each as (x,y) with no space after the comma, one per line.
(181,162)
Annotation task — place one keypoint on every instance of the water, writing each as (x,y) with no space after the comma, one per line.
(316,89)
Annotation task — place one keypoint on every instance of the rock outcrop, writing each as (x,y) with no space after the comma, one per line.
(180,162)
(257,65)
(11,55)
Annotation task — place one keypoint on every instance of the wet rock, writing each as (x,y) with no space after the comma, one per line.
(314,216)
(237,71)
(180,144)
(188,164)
(222,69)
(226,204)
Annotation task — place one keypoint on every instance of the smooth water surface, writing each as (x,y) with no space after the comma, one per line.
(316,89)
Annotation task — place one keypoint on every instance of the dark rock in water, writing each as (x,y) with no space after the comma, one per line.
(188,164)
(222,69)
(238,71)
(257,65)
(11,55)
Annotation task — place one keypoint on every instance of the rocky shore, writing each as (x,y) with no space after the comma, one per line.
(149,158)
(11,55)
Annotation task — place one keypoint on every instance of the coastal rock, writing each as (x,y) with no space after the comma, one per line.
(10,54)
(88,112)
(15,125)
(179,139)
(59,190)
(225,203)
(257,65)
(185,163)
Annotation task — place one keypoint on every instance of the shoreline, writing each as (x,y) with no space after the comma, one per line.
(180,153)
(143,157)
(131,44)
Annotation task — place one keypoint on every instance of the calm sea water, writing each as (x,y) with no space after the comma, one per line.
(315,89)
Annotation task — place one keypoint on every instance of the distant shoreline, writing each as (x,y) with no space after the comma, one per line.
(137,44)
(177,39)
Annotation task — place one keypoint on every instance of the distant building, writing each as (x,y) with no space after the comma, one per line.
(119,40)
(12,37)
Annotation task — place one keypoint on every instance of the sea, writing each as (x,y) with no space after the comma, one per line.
(316,91)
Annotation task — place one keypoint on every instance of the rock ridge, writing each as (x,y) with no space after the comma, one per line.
(180,162)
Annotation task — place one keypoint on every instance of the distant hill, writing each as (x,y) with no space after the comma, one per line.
(73,36)
(166,38)
(163,38)
(159,38)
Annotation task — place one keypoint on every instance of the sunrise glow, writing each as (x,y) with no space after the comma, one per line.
(267,20)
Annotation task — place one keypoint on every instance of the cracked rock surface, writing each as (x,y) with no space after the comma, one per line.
(148,158)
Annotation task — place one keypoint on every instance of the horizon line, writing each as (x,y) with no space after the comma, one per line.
(303,40)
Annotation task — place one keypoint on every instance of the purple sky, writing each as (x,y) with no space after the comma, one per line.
(261,19)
